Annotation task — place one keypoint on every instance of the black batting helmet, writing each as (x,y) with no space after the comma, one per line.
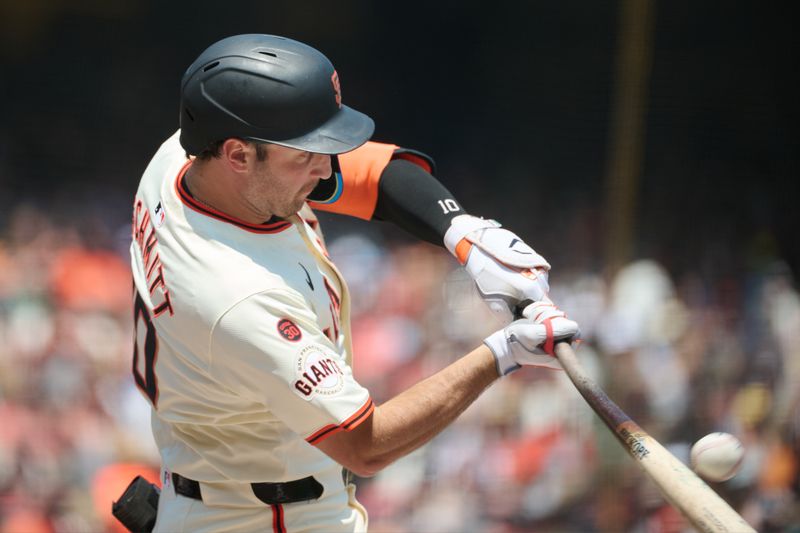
(267,88)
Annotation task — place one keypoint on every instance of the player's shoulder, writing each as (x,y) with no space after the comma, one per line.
(275,300)
(169,157)
(211,277)
(169,150)
(171,146)
(207,286)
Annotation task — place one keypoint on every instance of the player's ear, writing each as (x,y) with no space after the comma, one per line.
(237,154)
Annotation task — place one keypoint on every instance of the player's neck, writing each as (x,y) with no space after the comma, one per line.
(222,192)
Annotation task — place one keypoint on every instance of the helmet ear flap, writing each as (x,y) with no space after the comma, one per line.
(267,88)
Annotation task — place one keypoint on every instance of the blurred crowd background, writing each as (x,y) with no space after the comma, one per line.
(648,150)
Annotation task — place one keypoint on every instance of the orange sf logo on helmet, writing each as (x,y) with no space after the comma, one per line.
(337,87)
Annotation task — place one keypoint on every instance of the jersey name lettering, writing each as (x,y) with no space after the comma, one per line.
(145,236)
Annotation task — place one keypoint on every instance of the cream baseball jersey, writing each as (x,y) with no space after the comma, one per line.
(242,341)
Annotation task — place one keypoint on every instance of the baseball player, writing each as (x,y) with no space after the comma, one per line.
(243,343)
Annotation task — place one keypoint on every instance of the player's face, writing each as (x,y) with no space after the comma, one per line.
(285,178)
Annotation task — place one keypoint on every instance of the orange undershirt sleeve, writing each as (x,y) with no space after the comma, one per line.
(360,174)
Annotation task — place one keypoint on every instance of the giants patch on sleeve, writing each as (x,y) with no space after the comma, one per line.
(318,373)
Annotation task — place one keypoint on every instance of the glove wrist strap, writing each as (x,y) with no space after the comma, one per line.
(461,226)
(499,345)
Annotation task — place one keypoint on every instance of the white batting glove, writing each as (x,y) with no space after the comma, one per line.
(531,341)
(507,271)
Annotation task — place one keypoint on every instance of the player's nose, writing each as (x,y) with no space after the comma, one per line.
(321,166)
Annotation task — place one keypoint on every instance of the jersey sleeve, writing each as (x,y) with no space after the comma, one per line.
(270,349)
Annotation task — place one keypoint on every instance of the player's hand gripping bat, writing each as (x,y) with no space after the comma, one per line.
(682,487)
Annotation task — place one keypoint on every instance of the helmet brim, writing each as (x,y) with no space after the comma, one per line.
(346,130)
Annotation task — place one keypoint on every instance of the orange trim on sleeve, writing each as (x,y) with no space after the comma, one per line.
(361,172)
(351,423)
(416,159)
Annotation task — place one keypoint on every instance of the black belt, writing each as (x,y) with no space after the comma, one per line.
(300,490)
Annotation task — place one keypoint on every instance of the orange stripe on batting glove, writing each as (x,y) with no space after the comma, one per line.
(463,248)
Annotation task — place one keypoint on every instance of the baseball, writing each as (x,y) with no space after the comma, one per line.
(717,456)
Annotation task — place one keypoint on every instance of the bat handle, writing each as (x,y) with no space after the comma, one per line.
(588,388)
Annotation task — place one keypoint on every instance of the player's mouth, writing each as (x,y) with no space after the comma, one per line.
(307,190)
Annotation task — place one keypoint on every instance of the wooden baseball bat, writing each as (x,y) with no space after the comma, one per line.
(683,488)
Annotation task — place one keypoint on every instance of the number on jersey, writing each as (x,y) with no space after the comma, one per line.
(145,351)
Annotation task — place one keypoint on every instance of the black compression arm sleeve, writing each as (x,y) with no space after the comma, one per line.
(414,200)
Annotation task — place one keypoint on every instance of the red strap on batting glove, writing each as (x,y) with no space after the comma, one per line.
(549,345)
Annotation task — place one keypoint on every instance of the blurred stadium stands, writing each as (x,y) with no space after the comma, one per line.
(698,332)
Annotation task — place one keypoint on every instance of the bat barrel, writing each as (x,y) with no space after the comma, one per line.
(688,493)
